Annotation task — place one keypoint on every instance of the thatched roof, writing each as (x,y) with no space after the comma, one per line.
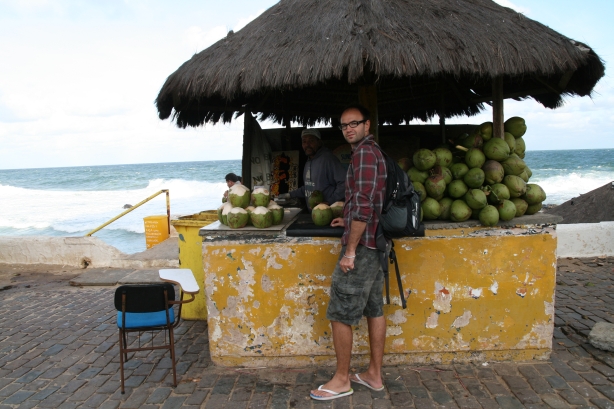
(303,60)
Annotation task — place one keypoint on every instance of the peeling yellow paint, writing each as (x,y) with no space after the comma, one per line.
(267,302)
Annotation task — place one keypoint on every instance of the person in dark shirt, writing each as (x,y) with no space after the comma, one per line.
(322,172)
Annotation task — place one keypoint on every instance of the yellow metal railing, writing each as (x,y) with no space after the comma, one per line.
(168,212)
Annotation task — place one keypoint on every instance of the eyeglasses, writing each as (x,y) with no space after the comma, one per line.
(352,124)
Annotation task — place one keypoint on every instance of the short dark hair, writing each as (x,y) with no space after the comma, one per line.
(232,177)
(366,115)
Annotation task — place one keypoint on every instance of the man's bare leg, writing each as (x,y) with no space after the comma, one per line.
(377,340)
(342,340)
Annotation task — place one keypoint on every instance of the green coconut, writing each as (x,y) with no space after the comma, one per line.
(249,210)
(524,176)
(459,170)
(337,209)
(219,213)
(521,206)
(498,193)
(322,215)
(261,217)
(416,175)
(520,147)
(431,208)
(315,199)
(405,163)
(278,213)
(459,211)
(272,203)
(510,140)
(474,178)
(445,172)
(472,141)
(497,149)
(239,196)
(529,172)
(419,188)
(443,157)
(516,185)
(513,165)
(493,172)
(516,126)
(457,189)
(485,131)
(474,158)
(260,197)
(435,186)
(534,208)
(226,207)
(237,218)
(475,199)
(507,210)
(446,204)
(534,194)
(424,159)
(489,216)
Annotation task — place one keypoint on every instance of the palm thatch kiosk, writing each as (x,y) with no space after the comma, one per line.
(476,293)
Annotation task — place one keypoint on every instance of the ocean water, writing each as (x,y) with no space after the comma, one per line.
(73,201)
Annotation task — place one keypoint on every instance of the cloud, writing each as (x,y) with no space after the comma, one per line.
(508,3)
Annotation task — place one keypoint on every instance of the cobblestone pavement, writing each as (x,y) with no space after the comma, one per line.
(58,349)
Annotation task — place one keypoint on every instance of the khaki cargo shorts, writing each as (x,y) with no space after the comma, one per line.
(359,291)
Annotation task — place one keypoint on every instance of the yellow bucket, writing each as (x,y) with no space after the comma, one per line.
(156,230)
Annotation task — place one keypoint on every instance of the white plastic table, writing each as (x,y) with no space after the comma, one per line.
(183,277)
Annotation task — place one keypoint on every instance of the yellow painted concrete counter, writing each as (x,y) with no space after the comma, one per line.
(476,294)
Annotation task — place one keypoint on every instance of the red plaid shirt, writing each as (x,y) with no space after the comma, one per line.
(365,189)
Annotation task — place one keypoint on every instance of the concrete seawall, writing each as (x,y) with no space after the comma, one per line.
(574,240)
(83,252)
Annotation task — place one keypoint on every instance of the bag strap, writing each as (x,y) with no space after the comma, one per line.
(393,260)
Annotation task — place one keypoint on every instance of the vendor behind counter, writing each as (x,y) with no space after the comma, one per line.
(322,172)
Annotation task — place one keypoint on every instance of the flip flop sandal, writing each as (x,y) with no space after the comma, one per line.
(335,395)
(364,383)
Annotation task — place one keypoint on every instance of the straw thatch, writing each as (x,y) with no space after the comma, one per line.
(303,60)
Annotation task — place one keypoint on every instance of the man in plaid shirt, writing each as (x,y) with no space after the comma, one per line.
(358,280)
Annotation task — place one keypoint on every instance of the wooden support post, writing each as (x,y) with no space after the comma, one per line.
(497,107)
(287,138)
(246,162)
(367,96)
(442,112)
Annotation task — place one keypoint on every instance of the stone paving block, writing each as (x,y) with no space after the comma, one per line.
(259,401)
(159,395)
(557,382)
(174,402)
(555,401)
(468,403)
(607,390)
(424,403)
(418,392)
(401,399)
(509,402)
(594,378)
(603,403)
(495,388)
(526,396)
(584,389)
(604,369)
(18,397)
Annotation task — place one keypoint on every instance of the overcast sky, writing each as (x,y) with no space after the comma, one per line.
(78,79)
